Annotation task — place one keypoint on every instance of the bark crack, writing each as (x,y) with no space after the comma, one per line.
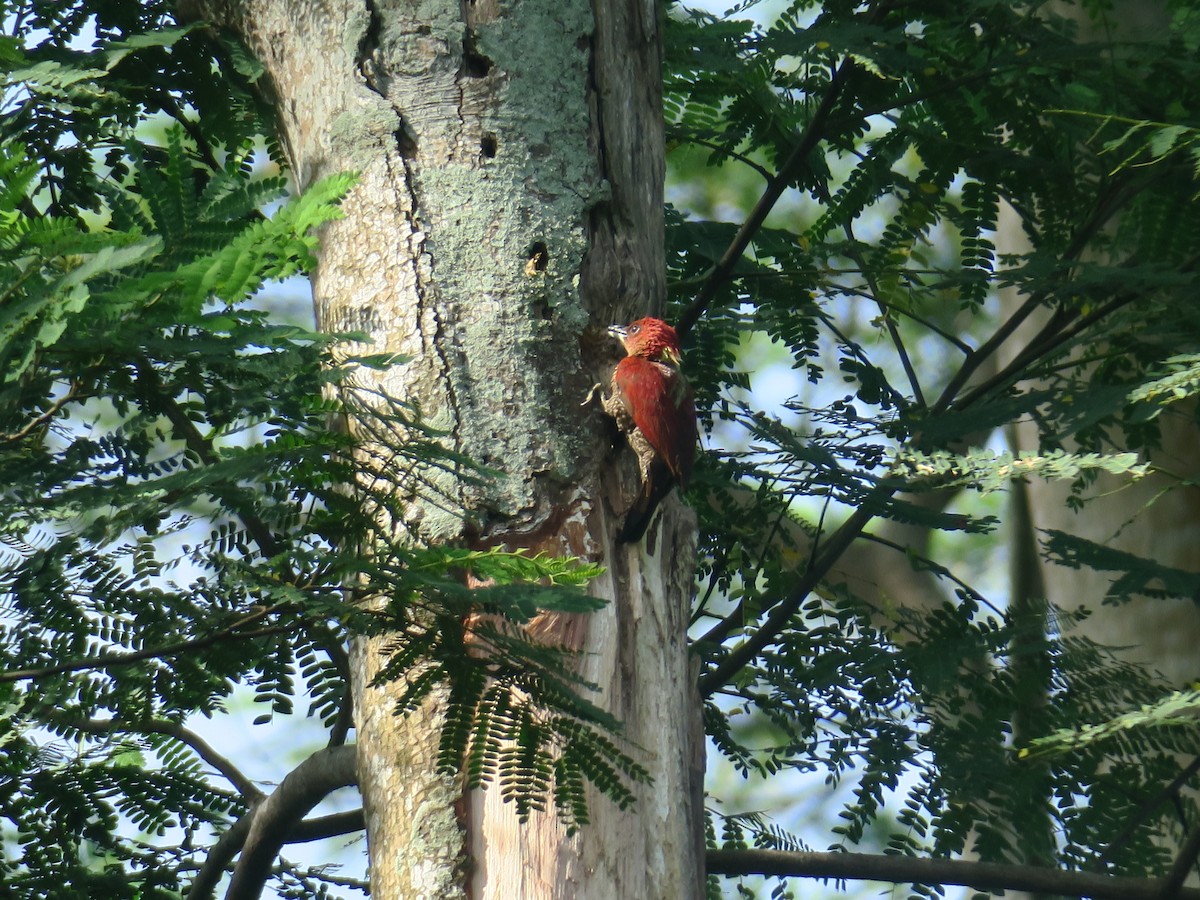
(435,343)
(596,102)
(374,74)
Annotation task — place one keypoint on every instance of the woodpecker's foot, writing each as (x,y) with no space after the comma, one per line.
(595,392)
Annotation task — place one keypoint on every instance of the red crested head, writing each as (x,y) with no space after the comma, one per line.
(649,338)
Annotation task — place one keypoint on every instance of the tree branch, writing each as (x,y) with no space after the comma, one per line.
(344,721)
(72,393)
(274,819)
(329,826)
(732,154)
(217,861)
(206,451)
(263,830)
(111,660)
(822,562)
(1173,883)
(1107,205)
(1149,806)
(204,885)
(916,588)
(807,142)
(875,294)
(913,870)
(187,431)
(202,748)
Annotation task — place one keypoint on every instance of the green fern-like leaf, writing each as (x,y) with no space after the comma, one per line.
(1177,709)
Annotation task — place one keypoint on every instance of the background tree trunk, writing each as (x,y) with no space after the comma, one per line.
(509,204)
(1155,518)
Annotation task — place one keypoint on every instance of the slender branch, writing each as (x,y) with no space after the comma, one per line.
(736,617)
(321,873)
(779,617)
(258,529)
(1184,861)
(202,748)
(1148,807)
(913,870)
(874,293)
(50,413)
(112,660)
(1055,334)
(732,154)
(333,825)
(263,830)
(204,449)
(850,567)
(925,323)
(1106,206)
(984,351)
(902,352)
(938,570)
(168,105)
(807,142)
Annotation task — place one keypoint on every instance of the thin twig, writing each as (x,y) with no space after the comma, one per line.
(781,615)
(737,616)
(982,353)
(733,154)
(1148,807)
(1052,336)
(933,567)
(1183,864)
(206,451)
(1055,334)
(186,429)
(202,748)
(874,293)
(1106,206)
(925,323)
(113,660)
(807,142)
(45,417)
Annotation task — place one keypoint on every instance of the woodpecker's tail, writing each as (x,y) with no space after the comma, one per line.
(656,486)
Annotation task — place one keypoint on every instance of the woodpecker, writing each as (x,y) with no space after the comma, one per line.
(654,406)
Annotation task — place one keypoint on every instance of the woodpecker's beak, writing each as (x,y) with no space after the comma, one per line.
(620,332)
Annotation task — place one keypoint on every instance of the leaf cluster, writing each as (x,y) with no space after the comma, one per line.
(892,144)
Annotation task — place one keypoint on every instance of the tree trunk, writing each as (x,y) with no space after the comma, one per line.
(1157,518)
(509,206)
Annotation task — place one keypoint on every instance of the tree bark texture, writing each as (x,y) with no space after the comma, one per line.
(509,207)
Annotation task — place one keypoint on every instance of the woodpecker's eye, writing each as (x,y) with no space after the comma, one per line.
(634,329)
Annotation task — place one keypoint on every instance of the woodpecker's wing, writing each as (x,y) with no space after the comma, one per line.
(661,403)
